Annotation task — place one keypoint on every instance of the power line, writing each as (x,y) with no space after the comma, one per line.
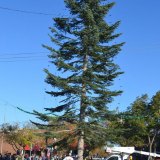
(22,56)
(8,104)
(13,106)
(24,60)
(20,108)
(22,53)
(27,12)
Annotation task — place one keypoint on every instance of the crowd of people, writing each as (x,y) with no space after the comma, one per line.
(43,155)
(9,156)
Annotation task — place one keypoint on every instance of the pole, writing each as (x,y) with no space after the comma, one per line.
(30,152)
(2,137)
(2,143)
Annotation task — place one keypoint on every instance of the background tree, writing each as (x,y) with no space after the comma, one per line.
(83,56)
(16,136)
(153,122)
(142,123)
(133,121)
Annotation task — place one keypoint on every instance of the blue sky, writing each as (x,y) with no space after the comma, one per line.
(22,80)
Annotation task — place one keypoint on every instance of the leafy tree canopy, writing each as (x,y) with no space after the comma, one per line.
(142,122)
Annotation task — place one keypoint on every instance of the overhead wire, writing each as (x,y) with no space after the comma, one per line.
(31,12)
(25,11)
(27,60)
(20,108)
(15,107)
(23,56)
(8,104)
(22,53)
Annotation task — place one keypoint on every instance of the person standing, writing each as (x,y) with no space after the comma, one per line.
(68,157)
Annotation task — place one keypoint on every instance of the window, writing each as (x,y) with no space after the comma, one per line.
(113,158)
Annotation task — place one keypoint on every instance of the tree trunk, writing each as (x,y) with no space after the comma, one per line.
(82,112)
(150,145)
(80,147)
(155,147)
(150,150)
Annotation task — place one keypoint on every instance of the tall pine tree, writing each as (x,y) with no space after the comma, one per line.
(83,55)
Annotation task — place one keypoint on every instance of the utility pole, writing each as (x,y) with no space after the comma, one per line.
(2,138)
(2,142)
